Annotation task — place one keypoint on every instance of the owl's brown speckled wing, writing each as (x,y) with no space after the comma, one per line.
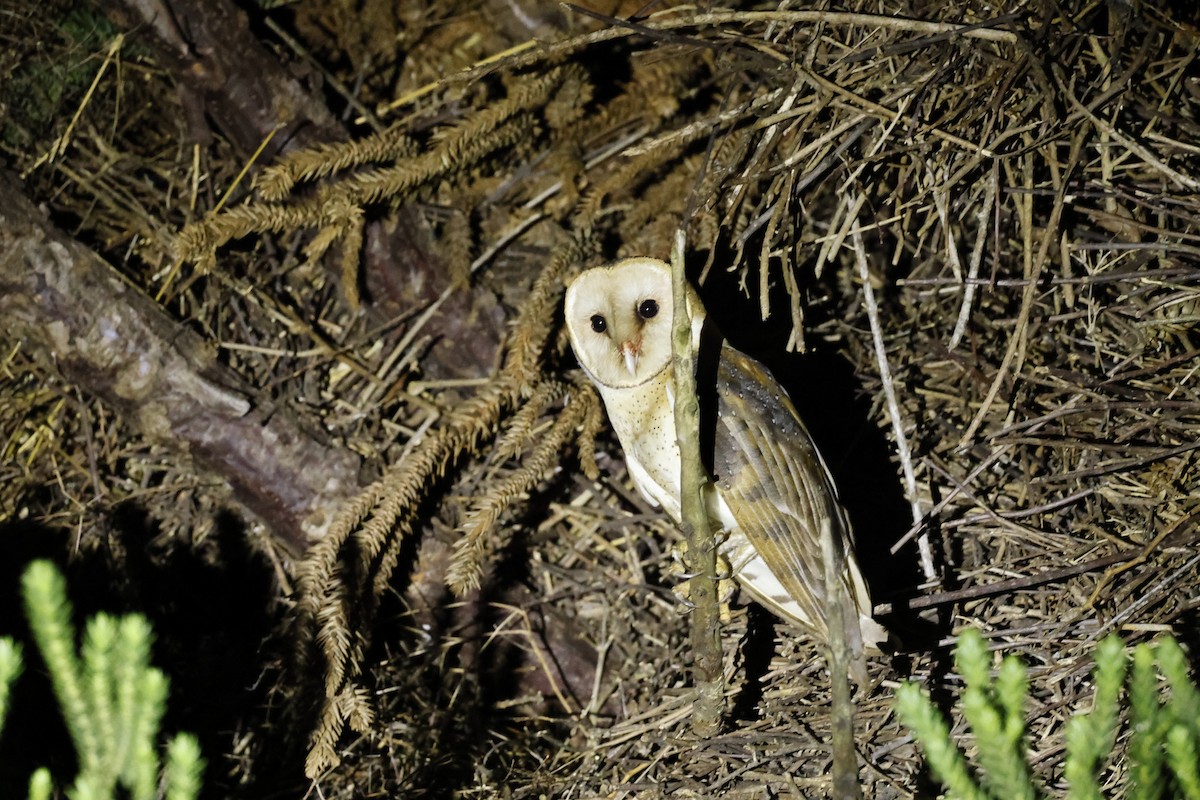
(772,479)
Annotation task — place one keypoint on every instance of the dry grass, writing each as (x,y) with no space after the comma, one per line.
(1019,195)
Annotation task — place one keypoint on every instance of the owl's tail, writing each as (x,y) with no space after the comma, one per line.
(864,635)
(873,634)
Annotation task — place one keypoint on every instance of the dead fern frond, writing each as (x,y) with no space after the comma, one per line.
(651,96)
(352,241)
(355,706)
(278,179)
(497,126)
(453,154)
(319,569)
(532,328)
(458,236)
(371,531)
(398,181)
(480,536)
(322,751)
(663,79)
(570,98)
(382,534)
(525,93)
(593,422)
(624,179)
(520,425)
(388,507)
(199,240)
(334,637)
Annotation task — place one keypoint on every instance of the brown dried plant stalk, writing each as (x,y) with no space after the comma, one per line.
(697,529)
(480,536)
(334,208)
(346,573)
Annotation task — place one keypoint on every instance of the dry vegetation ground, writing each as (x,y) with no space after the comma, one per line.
(967,240)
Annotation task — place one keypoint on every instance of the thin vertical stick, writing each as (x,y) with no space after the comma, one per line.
(889,392)
(701,556)
(985,211)
(845,758)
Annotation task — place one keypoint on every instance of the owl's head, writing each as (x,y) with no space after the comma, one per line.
(619,319)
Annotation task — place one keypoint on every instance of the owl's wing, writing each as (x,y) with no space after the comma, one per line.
(778,490)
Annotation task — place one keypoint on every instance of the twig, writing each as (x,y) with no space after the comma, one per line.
(808,17)
(1014,355)
(919,524)
(1028,581)
(889,391)
(532,51)
(1151,594)
(1185,181)
(845,758)
(972,285)
(701,556)
(59,145)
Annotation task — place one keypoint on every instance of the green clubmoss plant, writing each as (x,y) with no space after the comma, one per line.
(10,668)
(1091,736)
(111,698)
(1163,718)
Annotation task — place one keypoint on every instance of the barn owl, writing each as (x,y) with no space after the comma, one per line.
(770,489)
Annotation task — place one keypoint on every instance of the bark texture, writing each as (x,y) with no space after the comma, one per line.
(231,80)
(226,76)
(66,304)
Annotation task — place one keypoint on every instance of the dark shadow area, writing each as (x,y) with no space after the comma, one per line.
(1188,634)
(213,609)
(757,651)
(946,694)
(451,675)
(210,605)
(34,733)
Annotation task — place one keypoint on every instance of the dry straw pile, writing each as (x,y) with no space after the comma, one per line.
(982,225)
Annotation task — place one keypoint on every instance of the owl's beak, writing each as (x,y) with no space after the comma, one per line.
(630,352)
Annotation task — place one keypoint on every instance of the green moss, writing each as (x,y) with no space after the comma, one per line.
(39,92)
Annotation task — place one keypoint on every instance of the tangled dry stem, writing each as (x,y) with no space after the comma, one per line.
(1023,189)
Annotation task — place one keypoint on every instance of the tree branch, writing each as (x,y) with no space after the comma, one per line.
(62,301)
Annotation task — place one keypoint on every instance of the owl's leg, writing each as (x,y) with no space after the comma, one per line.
(683,589)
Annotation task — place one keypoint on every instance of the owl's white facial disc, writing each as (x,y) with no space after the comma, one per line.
(619,320)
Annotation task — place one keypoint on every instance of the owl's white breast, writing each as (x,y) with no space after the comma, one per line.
(644,421)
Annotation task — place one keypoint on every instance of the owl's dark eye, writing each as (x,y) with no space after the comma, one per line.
(648,309)
(599,325)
